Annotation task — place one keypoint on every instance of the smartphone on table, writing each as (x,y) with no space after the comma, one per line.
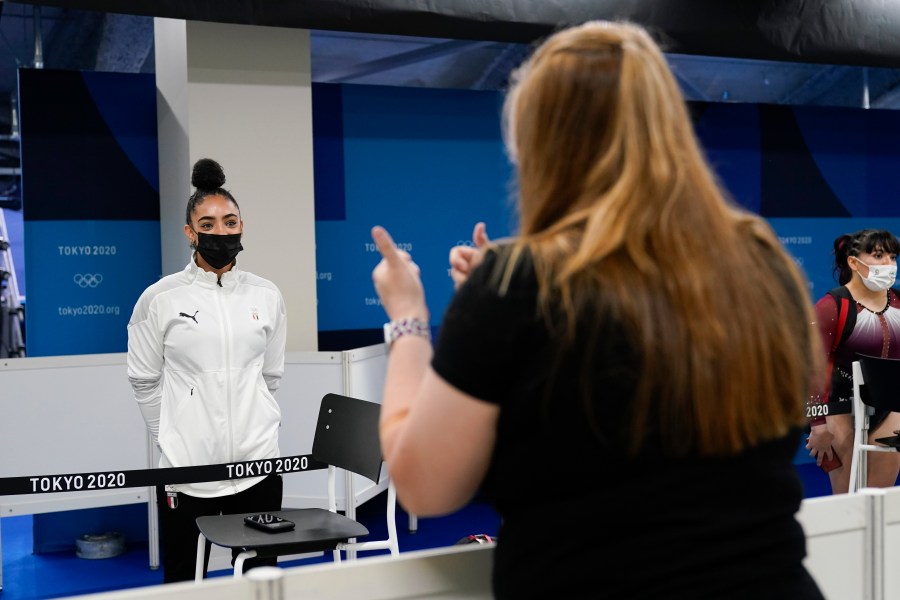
(268,522)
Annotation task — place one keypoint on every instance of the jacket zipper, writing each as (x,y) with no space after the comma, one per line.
(222,304)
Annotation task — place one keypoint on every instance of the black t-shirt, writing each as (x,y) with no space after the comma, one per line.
(577,512)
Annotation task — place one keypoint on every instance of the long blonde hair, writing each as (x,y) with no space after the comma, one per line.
(626,221)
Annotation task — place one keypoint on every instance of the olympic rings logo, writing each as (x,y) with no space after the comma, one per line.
(87,280)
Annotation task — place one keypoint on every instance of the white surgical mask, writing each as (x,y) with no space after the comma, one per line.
(880,278)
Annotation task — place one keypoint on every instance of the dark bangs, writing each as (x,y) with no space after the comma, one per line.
(876,239)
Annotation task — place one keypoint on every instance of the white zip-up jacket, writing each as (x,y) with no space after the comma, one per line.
(204,360)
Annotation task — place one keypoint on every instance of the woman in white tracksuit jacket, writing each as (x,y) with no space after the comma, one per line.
(205,356)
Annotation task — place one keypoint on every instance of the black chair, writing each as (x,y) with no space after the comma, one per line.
(346,438)
(876,385)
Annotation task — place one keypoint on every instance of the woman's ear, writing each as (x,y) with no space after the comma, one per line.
(189,234)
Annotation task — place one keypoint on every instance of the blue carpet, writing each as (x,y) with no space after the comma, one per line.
(58,574)
(815,480)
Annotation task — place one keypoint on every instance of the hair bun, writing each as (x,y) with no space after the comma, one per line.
(207,175)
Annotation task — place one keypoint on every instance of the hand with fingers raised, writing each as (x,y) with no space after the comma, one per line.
(463,259)
(397,280)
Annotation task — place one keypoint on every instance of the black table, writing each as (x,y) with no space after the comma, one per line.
(315,530)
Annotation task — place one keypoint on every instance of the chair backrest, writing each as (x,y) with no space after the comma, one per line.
(347,435)
(881,381)
(347,438)
(874,386)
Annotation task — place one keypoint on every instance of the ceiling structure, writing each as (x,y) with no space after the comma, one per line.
(41,35)
(32,35)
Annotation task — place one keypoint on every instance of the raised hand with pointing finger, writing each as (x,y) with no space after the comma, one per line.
(397,280)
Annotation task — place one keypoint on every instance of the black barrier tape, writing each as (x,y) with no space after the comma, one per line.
(109,480)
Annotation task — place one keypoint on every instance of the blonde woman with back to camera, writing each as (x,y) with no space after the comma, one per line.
(625,378)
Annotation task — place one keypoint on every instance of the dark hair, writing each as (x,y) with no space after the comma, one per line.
(208,177)
(863,241)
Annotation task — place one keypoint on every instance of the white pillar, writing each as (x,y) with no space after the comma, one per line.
(241,94)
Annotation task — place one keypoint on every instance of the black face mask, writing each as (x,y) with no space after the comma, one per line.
(218,250)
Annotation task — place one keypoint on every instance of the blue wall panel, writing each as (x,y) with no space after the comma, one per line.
(425,163)
(90,275)
(90,192)
(428,163)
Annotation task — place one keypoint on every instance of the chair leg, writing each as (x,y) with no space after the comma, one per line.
(392,520)
(860,412)
(239,562)
(201,554)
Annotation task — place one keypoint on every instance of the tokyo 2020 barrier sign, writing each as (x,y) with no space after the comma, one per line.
(111,480)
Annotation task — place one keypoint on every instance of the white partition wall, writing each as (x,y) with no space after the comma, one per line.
(455,572)
(365,370)
(839,533)
(68,414)
(460,572)
(891,539)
